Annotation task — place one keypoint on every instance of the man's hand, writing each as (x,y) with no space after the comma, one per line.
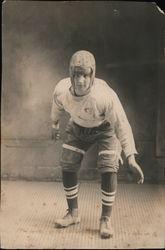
(135,168)
(55,131)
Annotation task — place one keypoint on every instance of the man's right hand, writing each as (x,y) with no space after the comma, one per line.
(55,131)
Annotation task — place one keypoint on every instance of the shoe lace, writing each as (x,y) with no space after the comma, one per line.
(67,214)
(72,213)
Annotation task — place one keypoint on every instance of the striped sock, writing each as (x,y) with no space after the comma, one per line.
(108,191)
(108,198)
(71,189)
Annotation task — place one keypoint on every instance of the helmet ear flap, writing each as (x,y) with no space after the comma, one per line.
(71,73)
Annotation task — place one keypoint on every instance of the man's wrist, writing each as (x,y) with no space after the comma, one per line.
(55,122)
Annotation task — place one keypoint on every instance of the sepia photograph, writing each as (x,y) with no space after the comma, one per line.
(82,125)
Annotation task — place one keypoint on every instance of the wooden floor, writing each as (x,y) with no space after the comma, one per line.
(29,210)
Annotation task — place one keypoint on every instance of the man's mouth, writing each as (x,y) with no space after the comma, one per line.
(80,86)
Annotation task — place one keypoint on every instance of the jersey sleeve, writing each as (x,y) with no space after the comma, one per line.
(57,106)
(118,119)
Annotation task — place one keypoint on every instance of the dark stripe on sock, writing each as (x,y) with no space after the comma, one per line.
(108,202)
(70,189)
(71,195)
(109,195)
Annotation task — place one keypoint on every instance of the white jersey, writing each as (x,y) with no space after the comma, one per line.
(99,105)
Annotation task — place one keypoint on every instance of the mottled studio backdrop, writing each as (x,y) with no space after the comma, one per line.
(38,39)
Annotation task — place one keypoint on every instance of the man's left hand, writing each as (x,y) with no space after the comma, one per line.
(135,168)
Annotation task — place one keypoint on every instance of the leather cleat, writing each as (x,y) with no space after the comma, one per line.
(72,217)
(106,230)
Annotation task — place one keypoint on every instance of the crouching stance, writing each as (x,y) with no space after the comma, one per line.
(96,116)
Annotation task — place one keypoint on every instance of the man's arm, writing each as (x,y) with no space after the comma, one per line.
(135,168)
(56,112)
(124,134)
(119,121)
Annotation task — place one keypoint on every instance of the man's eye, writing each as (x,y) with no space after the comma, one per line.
(79,75)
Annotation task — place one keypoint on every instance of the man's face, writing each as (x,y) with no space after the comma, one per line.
(82,79)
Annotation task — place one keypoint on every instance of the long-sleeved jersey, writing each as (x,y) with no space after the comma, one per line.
(99,105)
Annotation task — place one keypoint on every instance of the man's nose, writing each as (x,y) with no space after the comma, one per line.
(81,79)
